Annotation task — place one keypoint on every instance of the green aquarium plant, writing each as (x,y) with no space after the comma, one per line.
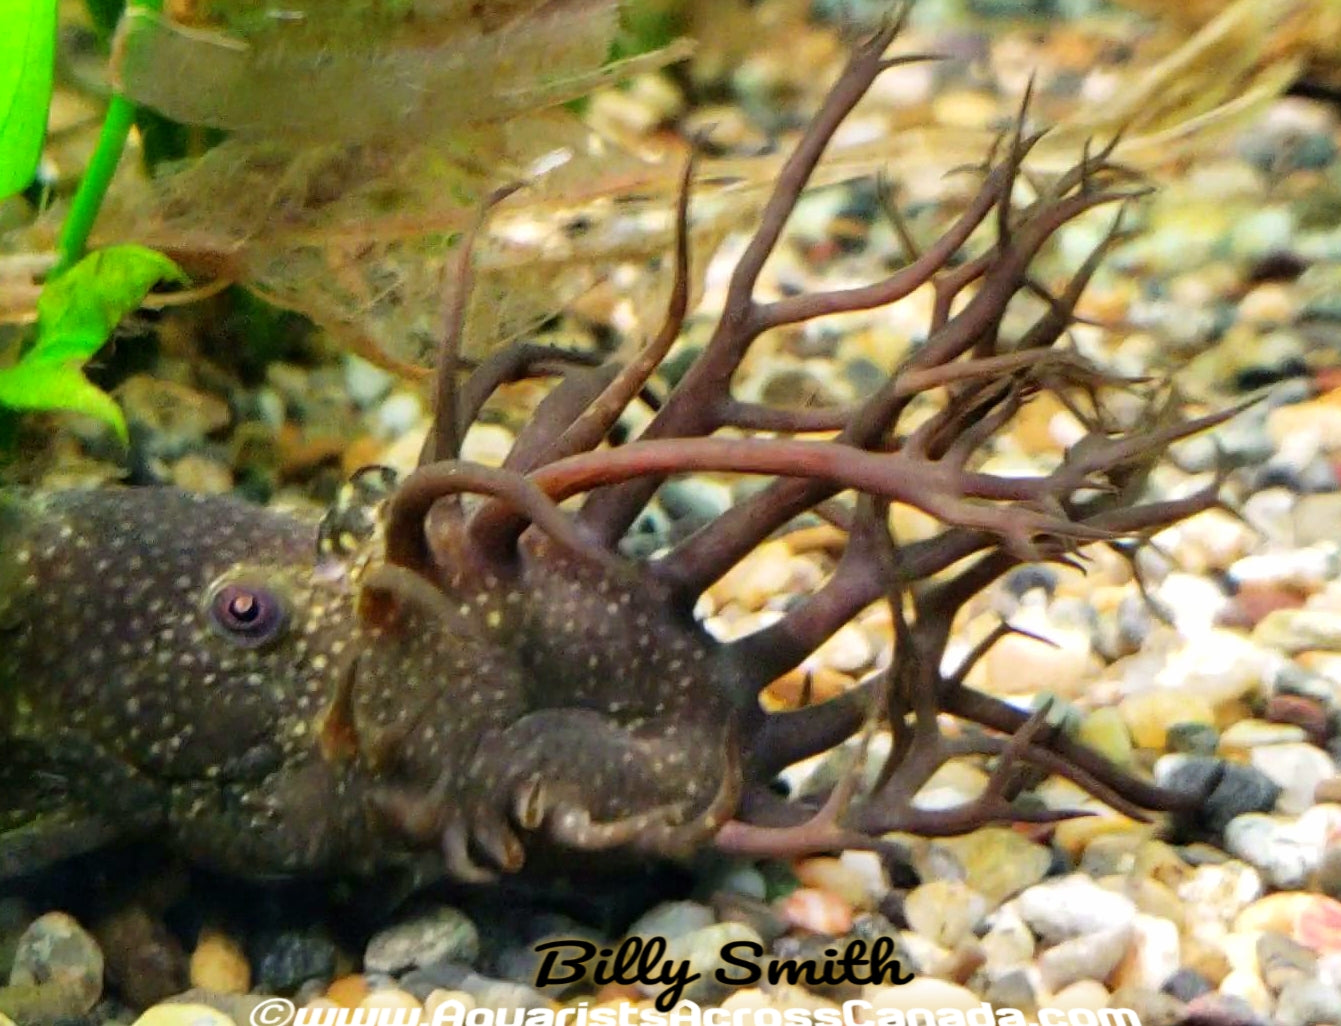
(362,137)
(27,57)
(27,62)
(76,315)
(85,295)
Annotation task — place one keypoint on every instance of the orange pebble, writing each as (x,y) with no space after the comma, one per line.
(808,908)
(789,690)
(348,991)
(218,964)
(1325,379)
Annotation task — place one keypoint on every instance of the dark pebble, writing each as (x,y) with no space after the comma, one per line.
(144,961)
(1277,475)
(520,963)
(1193,738)
(650,532)
(1250,379)
(1316,476)
(1012,989)
(795,389)
(672,369)
(871,927)
(1281,152)
(811,948)
(692,502)
(107,1012)
(1187,985)
(1292,679)
(437,976)
(864,376)
(1314,152)
(1221,1010)
(1328,877)
(1234,790)
(891,907)
(14,919)
(863,202)
(1029,578)
(1277,266)
(1010,8)
(286,959)
(1135,622)
(816,344)
(429,935)
(897,862)
(741,908)
(1061,863)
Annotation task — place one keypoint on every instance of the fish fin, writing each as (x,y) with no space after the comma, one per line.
(64,797)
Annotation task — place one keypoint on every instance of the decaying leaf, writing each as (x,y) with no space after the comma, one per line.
(1219,78)
(1304,33)
(352,72)
(363,136)
(356,237)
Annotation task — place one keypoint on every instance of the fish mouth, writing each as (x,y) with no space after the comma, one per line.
(487,822)
(508,788)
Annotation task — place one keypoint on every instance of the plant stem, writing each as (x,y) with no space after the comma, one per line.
(88,198)
(93,186)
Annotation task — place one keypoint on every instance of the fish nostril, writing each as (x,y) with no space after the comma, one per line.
(256,762)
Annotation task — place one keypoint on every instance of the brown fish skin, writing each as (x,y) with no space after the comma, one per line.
(197,660)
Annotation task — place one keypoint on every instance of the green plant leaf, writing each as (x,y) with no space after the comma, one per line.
(27,59)
(77,311)
(53,386)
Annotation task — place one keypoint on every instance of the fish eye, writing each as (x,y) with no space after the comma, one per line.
(248,614)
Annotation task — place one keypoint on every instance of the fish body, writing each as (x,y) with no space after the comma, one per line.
(210,671)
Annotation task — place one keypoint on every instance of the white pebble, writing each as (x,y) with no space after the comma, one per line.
(1071,906)
(1298,768)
